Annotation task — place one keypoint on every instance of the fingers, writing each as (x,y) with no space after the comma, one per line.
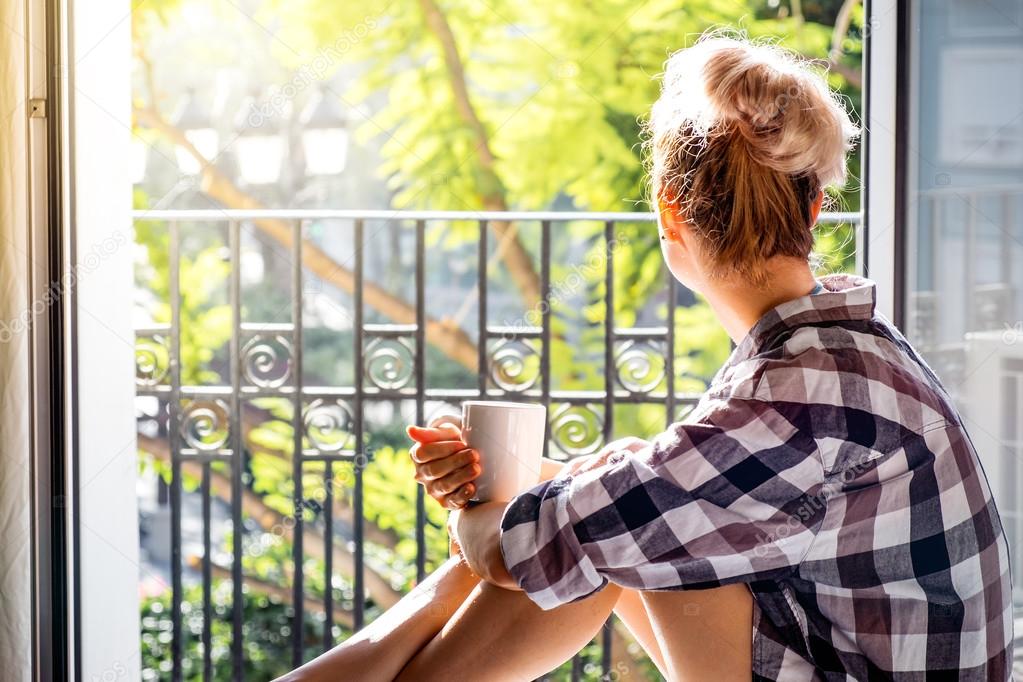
(438,468)
(426,434)
(442,487)
(459,498)
(444,464)
(423,453)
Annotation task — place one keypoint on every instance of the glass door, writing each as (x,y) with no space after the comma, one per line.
(962,248)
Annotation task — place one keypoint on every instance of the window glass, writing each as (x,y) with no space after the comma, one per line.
(964,240)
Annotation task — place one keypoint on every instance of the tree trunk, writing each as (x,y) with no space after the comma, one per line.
(514,254)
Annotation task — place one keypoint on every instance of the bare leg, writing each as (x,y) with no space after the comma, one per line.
(690,635)
(499,634)
(704,634)
(453,624)
(381,649)
(632,611)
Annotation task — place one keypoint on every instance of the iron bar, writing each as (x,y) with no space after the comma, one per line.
(220,215)
(238,448)
(448,395)
(609,393)
(328,555)
(545,326)
(298,579)
(481,284)
(173,436)
(389,331)
(420,371)
(511,332)
(574,397)
(643,333)
(360,445)
(207,577)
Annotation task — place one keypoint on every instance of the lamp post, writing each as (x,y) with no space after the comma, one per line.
(324,135)
(260,145)
(197,125)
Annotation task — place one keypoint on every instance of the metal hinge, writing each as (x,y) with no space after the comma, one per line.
(37,107)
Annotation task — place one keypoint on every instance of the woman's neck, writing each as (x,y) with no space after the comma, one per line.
(739,304)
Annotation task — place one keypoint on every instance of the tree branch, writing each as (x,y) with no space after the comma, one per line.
(838,34)
(446,336)
(518,260)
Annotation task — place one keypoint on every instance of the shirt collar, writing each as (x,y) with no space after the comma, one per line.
(845,297)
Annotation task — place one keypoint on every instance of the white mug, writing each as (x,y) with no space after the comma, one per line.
(509,438)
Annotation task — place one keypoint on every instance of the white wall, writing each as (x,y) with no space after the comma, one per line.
(101,203)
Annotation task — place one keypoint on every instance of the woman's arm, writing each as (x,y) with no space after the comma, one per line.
(477,529)
(549,468)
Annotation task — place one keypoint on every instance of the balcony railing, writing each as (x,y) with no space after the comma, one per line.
(205,430)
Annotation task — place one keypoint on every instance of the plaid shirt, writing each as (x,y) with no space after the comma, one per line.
(827,468)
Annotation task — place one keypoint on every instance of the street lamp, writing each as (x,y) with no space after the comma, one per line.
(324,134)
(197,125)
(260,145)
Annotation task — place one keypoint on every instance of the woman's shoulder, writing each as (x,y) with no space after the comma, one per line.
(842,368)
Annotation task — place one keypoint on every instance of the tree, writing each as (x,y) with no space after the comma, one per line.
(492,105)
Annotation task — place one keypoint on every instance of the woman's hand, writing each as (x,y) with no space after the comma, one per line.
(477,530)
(444,463)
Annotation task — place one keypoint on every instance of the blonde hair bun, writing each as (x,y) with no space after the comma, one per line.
(793,122)
(741,141)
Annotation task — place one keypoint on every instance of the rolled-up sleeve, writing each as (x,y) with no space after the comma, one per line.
(733,494)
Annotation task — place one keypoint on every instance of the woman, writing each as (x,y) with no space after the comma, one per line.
(821,514)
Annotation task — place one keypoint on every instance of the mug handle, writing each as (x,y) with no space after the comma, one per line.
(454,420)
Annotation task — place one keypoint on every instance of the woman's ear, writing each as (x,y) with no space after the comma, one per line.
(815,208)
(676,246)
(670,221)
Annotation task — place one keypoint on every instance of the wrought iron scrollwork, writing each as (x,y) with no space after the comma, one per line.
(389,363)
(640,365)
(267,360)
(330,425)
(205,424)
(514,365)
(152,360)
(577,429)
